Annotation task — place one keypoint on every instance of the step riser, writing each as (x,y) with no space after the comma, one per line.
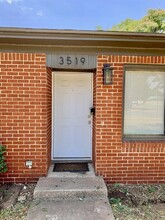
(69,195)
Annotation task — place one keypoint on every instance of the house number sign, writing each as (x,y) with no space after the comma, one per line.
(71,61)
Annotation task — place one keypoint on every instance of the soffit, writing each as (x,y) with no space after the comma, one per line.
(95,42)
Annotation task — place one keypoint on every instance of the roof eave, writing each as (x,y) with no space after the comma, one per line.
(88,40)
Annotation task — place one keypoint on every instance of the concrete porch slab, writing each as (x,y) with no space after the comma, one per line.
(70,188)
(85,209)
(89,173)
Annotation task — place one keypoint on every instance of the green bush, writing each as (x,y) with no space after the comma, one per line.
(3,165)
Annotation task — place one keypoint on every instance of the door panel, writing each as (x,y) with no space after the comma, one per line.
(71,127)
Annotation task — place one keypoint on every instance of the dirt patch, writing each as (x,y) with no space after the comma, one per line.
(9,194)
(137,202)
(17,210)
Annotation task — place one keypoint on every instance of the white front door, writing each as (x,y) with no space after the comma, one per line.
(72,126)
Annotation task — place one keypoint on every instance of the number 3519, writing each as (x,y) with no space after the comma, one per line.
(70,60)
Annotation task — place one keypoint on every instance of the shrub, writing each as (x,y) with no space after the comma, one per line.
(3,165)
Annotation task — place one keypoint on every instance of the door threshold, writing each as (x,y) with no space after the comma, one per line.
(71,160)
(89,173)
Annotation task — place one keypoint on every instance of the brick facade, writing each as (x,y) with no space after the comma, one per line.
(25,122)
(25,110)
(118,161)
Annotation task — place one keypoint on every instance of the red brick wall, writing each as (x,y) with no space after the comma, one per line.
(117,161)
(25,122)
(25,106)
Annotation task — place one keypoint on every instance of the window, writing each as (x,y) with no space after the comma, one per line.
(144,102)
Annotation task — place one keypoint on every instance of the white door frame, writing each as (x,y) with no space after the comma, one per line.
(54,73)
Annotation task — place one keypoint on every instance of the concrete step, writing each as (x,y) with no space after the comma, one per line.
(93,209)
(70,188)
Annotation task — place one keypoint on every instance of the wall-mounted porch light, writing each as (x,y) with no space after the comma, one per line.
(29,163)
(107,74)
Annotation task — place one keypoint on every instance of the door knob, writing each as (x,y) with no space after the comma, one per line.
(92,111)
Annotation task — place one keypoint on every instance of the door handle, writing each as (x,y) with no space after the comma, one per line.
(92,111)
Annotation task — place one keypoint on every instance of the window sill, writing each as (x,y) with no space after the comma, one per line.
(144,138)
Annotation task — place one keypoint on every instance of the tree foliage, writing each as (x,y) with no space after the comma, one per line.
(154,22)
